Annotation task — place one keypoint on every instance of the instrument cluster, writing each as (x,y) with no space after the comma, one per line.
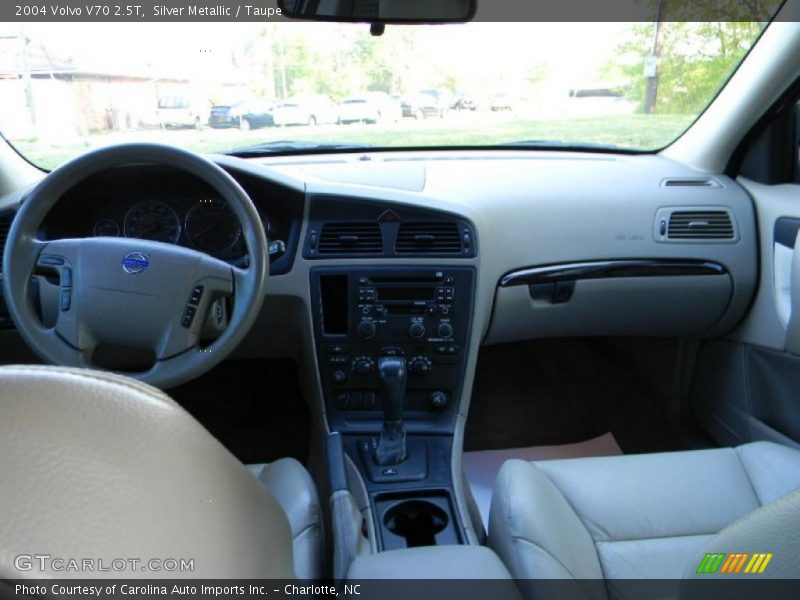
(164,206)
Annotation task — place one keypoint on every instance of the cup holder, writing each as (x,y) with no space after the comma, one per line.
(416,521)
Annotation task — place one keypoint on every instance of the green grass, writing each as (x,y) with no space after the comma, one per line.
(643,132)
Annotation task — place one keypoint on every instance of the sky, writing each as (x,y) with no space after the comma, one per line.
(195,49)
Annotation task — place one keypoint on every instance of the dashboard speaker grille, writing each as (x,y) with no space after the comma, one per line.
(350,238)
(5,226)
(700,225)
(433,237)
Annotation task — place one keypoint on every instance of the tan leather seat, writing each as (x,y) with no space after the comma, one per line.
(96,467)
(291,485)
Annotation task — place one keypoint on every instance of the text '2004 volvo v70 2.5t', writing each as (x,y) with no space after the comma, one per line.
(401,299)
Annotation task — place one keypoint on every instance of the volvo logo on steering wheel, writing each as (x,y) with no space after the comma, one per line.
(135,262)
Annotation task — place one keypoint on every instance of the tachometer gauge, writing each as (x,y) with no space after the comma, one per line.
(106,228)
(153,220)
(212,226)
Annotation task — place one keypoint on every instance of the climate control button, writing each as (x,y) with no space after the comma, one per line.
(419,365)
(363,365)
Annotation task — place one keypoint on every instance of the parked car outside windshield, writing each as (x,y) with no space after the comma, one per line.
(222,86)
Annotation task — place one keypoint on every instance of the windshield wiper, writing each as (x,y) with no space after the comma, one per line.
(558,145)
(292,147)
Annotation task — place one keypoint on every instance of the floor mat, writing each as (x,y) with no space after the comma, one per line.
(481,467)
(254,407)
(563,391)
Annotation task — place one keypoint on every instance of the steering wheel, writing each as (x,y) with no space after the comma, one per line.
(133,293)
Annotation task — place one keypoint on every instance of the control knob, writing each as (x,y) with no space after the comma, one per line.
(419,365)
(444,330)
(363,365)
(417,330)
(366,329)
(438,400)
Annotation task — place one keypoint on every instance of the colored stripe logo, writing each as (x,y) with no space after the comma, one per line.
(734,563)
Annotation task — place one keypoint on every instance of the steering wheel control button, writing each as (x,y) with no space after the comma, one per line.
(188,316)
(66,299)
(196,295)
(50,260)
(66,277)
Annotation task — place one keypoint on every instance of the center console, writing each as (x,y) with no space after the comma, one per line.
(422,315)
(392,345)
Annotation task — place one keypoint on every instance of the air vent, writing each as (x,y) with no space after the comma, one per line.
(5,225)
(696,182)
(350,238)
(432,237)
(700,225)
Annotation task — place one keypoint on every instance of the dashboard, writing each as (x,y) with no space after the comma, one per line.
(554,254)
(164,205)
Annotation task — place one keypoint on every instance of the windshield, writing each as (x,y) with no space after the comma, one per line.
(631,86)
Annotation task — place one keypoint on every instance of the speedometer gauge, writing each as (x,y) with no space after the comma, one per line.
(212,226)
(153,220)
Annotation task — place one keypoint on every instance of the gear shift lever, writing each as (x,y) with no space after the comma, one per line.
(391,448)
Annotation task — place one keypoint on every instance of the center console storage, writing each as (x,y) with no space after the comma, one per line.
(411,520)
(445,563)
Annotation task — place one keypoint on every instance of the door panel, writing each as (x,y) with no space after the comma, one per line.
(748,387)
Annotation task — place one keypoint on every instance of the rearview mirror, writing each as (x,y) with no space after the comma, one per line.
(380,11)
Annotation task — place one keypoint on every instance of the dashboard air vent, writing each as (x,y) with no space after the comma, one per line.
(696,182)
(350,238)
(5,225)
(432,237)
(700,225)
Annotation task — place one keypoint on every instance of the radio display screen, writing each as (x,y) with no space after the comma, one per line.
(405,293)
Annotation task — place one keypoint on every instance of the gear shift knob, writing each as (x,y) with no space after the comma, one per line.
(392,375)
(391,444)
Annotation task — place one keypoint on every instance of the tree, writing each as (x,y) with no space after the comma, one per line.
(695,59)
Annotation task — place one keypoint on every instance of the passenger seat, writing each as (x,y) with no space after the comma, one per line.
(651,516)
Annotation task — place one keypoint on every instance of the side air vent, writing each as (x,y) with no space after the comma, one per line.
(695,182)
(5,225)
(700,225)
(350,238)
(432,237)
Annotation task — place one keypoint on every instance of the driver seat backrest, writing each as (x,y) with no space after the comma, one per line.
(99,466)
